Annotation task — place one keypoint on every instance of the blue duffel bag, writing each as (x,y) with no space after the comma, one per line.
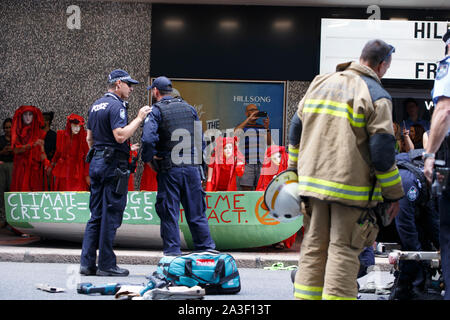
(217,273)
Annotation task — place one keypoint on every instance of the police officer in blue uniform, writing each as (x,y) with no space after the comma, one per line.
(108,132)
(172,143)
(438,147)
(417,225)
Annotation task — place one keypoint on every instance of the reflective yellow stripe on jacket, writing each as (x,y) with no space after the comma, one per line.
(389,179)
(307,292)
(338,190)
(293,154)
(334,108)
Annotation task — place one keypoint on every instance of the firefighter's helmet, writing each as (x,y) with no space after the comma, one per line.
(281,196)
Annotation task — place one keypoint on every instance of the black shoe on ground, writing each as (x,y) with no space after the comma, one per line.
(113,272)
(293,274)
(88,271)
(400,293)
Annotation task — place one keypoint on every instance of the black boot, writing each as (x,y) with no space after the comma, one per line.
(400,292)
(401,289)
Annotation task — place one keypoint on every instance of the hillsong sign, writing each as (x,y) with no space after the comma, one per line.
(418,45)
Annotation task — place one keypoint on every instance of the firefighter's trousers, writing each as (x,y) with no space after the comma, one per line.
(328,264)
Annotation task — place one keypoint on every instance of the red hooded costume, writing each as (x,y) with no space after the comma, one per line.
(148,180)
(224,170)
(269,168)
(29,165)
(69,166)
(268,171)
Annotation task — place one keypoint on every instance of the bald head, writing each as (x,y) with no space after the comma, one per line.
(375,52)
(377,55)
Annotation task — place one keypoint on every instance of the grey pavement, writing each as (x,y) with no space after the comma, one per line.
(20,282)
(14,248)
(48,260)
(253,259)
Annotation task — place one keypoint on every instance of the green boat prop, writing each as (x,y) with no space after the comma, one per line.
(237,220)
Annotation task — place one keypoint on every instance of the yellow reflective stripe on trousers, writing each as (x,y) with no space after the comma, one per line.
(330,297)
(334,108)
(389,179)
(293,154)
(307,292)
(338,190)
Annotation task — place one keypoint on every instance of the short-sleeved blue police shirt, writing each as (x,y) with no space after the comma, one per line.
(442,81)
(105,115)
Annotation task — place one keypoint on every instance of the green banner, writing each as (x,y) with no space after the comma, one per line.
(236,219)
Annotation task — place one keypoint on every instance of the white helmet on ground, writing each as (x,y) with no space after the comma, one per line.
(281,197)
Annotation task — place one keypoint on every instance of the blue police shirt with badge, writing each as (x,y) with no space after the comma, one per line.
(442,81)
(410,182)
(106,114)
(412,193)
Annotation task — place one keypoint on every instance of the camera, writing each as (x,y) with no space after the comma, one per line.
(261,114)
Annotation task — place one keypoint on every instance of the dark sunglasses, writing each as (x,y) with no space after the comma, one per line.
(391,51)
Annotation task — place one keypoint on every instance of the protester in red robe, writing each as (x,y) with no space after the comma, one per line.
(148,179)
(226,163)
(70,170)
(27,141)
(275,162)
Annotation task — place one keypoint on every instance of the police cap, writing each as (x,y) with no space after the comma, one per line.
(122,75)
(161,83)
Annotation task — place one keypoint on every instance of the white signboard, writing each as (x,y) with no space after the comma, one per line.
(418,44)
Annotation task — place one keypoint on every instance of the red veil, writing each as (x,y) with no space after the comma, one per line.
(224,170)
(70,169)
(28,172)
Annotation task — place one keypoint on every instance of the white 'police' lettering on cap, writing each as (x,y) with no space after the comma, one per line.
(121,79)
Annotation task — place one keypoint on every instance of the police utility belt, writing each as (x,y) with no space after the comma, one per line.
(122,174)
(165,164)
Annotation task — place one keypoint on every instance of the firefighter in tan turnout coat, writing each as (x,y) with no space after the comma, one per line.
(341,141)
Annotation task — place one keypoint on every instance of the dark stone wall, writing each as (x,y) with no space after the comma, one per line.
(295,92)
(46,64)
